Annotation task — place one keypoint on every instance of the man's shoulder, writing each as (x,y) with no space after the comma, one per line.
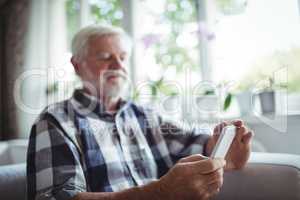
(56,110)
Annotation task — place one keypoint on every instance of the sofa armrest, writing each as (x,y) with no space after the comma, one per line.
(267,176)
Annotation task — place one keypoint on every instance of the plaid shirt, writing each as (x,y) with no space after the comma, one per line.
(75,146)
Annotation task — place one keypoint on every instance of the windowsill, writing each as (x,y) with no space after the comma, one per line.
(253,119)
(260,119)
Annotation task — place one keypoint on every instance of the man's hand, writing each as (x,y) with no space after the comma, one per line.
(193,177)
(240,148)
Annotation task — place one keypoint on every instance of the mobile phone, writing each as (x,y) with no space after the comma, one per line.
(223,144)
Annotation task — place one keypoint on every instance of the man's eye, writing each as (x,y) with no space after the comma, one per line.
(123,58)
(104,56)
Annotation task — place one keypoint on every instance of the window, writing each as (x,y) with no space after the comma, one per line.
(258,42)
(249,41)
(166,45)
(179,43)
(106,12)
(79,14)
(167,49)
(167,39)
(73,18)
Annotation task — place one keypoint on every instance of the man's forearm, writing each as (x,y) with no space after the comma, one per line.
(146,192)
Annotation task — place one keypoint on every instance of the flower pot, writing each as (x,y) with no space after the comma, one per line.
(245,102)
(207,106)
(267,102)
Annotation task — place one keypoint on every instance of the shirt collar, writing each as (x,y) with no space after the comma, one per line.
(94,104)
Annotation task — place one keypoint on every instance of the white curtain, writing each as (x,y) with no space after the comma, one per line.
(46,49)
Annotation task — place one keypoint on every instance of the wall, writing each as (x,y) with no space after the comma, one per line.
(14,27)
(274,140)
(2,71)
(276,135)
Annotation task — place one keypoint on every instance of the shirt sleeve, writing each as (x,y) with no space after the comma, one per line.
(54,170)
(183,141)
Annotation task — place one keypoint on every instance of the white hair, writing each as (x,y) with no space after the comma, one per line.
(81,39)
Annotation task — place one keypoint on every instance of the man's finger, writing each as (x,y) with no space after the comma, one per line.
(209,165)
(219,127)
(193,158)
(215,185)
(247,138)
(214,189)
(240,133)
(213,177)
(238,123)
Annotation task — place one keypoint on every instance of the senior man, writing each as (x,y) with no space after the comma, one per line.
(96,145)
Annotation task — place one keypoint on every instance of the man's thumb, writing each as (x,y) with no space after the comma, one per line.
(193,158)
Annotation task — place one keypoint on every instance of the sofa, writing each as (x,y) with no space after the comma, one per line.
(267,176)
(13,151)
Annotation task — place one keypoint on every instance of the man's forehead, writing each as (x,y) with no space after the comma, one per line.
(108,42)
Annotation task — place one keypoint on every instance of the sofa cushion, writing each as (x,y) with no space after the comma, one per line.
(13,151)
(277,179)
(260,181)
(13,182)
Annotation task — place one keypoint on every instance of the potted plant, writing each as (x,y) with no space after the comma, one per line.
(244,99)
(273,98)
(210,101)
(267,98)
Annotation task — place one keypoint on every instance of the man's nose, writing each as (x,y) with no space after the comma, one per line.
(117,64)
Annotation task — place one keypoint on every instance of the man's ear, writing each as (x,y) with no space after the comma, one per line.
(75,65)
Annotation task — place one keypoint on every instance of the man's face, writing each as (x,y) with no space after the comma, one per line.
(103,67)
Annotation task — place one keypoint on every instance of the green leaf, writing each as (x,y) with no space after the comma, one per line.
(135,95)
(153,90)
(209,92)
(227,101)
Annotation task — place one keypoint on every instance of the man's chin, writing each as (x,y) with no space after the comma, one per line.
(113,94)
(114,90)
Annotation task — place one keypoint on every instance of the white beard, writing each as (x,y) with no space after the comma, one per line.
(105,87)
(113,89)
